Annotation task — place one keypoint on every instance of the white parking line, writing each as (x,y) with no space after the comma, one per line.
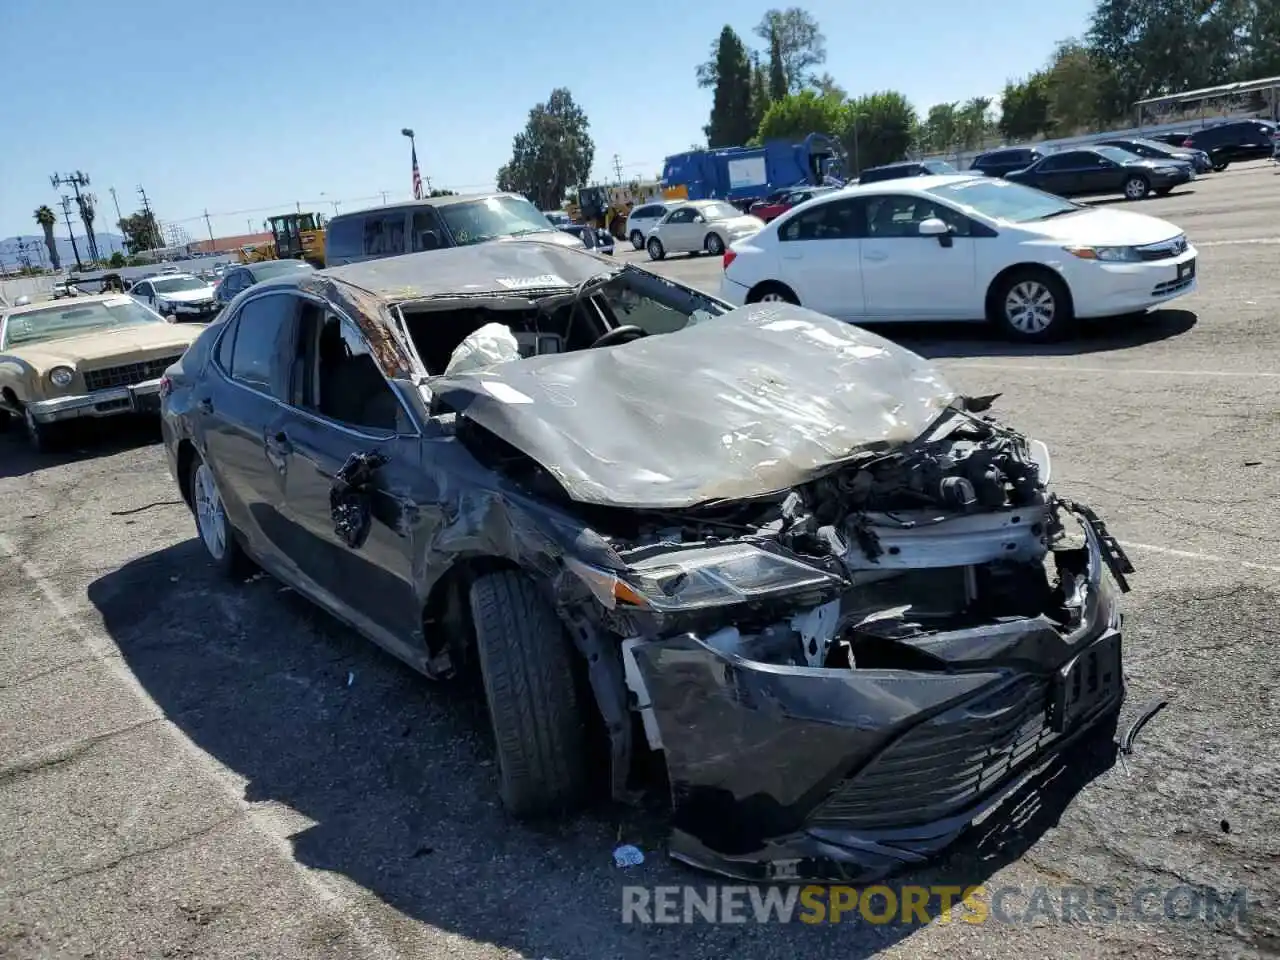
(1202,557)
(1236,243)
(1064,368)
(261,816)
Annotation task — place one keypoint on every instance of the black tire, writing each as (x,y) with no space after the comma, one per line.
(655,248)
(771,290)
(637,239)
(6,418)
(1028,330)
(43,437)
(1137,188)
(714,245)
(526,663)
(1219,167)
(233,562)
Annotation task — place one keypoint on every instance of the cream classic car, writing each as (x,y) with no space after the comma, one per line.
(89,356)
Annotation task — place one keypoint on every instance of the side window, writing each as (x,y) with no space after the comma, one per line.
(262,354)
(343,237)
(226,346)
(384,234)
(837,220)
(1060,161)
(683,215)
(340,379)
(896,215)
(141,290)
(427,230)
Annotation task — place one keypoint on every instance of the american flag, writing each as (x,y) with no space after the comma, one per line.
(417,176)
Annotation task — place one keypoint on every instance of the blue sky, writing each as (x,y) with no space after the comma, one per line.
(245,108)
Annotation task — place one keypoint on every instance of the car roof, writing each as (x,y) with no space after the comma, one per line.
(499,267)
(927,182)
(170,276)
(426,202)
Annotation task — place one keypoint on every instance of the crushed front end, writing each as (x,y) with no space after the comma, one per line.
(843,676)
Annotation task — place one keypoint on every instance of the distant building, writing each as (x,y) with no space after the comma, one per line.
(229,244)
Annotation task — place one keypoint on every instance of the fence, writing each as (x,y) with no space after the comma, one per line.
(37,288)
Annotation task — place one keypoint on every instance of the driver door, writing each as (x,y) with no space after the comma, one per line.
(680,232)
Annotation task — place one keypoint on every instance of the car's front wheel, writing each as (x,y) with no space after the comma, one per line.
(526,663)
(43,437)
(656,252)
(1219,167)
(637,239)
(1033,305)
(1136,188)
(216,532)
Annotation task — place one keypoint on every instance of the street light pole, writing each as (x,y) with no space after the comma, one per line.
(413,146)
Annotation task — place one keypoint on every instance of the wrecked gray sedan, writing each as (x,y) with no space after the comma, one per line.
(777,551)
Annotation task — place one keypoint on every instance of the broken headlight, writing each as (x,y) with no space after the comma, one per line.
(718,576)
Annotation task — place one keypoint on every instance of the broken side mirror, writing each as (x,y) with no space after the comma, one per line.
(934,227)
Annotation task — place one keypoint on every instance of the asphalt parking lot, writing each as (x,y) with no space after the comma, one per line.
(195,769)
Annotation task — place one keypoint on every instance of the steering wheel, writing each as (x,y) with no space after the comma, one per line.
(623,334)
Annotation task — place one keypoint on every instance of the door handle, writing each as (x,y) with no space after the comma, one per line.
(875,256)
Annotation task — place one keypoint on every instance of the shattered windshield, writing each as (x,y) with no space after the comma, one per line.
(41,326)
(475,221)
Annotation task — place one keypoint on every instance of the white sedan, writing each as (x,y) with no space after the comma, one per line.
(700,226)
(964,248)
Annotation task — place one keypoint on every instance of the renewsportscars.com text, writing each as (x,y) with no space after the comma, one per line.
(919,905)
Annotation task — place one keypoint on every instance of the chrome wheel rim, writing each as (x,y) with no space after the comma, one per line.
(211,518)
(637,240)
(1135,189)
(714,245)
(1030,307)
(655,250)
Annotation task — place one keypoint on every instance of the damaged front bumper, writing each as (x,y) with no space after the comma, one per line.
(816,773)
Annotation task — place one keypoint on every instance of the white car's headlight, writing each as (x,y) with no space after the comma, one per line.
(706,577)
(1109,254)
(61,376)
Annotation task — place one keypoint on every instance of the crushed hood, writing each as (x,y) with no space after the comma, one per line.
(756,401)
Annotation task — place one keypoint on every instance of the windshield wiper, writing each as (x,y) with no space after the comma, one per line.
(525,233)
(1060,213)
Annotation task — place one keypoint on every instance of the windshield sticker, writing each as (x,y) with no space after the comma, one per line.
(528,283)
(505,392)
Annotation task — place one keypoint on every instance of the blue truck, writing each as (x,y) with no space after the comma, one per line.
(742,175)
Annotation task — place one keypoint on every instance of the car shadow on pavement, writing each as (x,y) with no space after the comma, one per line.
(395,778)
(939,340)
(82,441)
(1108,201)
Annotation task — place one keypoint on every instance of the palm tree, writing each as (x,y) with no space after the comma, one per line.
(44,216)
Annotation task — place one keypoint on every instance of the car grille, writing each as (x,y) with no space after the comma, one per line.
(128,374)
(1164,250)
(945,764)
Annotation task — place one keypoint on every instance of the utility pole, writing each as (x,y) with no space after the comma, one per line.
(248,221)
(66,212)
(83,202)
(116,201)
(617,168)
(153,239)
(384,197)
(212,242)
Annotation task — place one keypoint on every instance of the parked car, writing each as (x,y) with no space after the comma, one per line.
(238,279)
(1097,171)
(601,239)
(770,208)
(179,295)
(95,356)
(700,226)
(998,163)
(962,248)
(558,218)
(1174,138)
(420,225)
(602,530)
(644,218)
(1155,150)
(905,168)
(1235,141)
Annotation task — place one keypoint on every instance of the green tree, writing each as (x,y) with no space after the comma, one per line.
(1024,108)
(1075,82)
(437,192)
(47,219)
(827,86)
(553,153)
(798,115)
(777,69)
(730,121)
(941,128)
(877,128)
(141,232)
(117,260)
(796,44)
(974,122)
(760,99)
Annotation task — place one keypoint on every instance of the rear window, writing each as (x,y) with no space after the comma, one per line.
(342,239)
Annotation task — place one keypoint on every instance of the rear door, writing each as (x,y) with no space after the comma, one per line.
(238,407)
(341,405)
(818,257)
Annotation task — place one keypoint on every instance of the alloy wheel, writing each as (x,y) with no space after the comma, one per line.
(1030,307)
(211,516)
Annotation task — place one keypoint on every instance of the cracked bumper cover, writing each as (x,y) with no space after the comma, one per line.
(796,773)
